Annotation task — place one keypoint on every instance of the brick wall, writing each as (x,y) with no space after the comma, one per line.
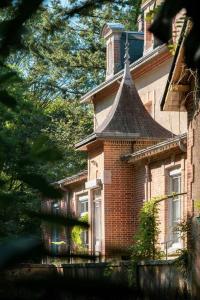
(193,161)
(152,180)
(113,54)
(118,197)
(123,197)
(193,143)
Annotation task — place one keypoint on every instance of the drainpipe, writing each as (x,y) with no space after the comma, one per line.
(146,182)
(147,175)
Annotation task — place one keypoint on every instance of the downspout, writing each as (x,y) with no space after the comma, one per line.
(147,180)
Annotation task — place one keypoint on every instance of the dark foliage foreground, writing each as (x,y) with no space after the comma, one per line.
(162,28)
(20,172)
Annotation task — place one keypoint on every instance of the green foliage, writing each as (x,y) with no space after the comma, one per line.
(172,48)
(148,230)
(62,220)
(183,228)
(182,263)
(47,56)
(152,13)
(197,205)
(76,233)
(66,57)
(145,239)
(69,122)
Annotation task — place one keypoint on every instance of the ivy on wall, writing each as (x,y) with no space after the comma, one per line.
(146,237)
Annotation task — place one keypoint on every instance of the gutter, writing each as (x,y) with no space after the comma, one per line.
(114,136)
(177,139)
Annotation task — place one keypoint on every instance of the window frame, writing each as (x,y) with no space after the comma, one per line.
(174,245)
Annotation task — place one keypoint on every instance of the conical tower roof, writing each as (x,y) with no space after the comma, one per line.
(128,116)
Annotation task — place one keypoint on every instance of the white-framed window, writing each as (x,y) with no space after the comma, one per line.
(97,220)
(82,204)
(175,208)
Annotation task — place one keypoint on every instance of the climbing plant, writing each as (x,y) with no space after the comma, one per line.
(77,232)
(146,237)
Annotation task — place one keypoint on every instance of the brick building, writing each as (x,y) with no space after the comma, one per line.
(137,150)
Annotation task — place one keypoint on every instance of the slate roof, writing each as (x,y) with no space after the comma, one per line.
(128,115)
(128,118)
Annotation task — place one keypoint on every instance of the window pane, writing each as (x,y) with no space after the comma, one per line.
(176,210)
(82,204)
(175,206)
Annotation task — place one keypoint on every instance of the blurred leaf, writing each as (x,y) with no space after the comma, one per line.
(15,250)
(162,25)
(192,46)
(66,254)
(39,182)
(101,287)
(7,99)
(59,243)
(42,149)
(5,199)
(2,182)
(58,219)
(162,29)
(5,3)
(7,76)
(11,30)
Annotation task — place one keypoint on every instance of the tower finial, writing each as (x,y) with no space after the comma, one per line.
(126,58)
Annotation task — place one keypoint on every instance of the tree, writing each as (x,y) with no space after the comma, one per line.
(27,143)
(69,123)
(33,64)
(66,57)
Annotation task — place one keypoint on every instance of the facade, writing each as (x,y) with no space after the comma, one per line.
(137,150)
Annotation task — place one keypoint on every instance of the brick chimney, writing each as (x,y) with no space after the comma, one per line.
(115,36)
(112,33)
